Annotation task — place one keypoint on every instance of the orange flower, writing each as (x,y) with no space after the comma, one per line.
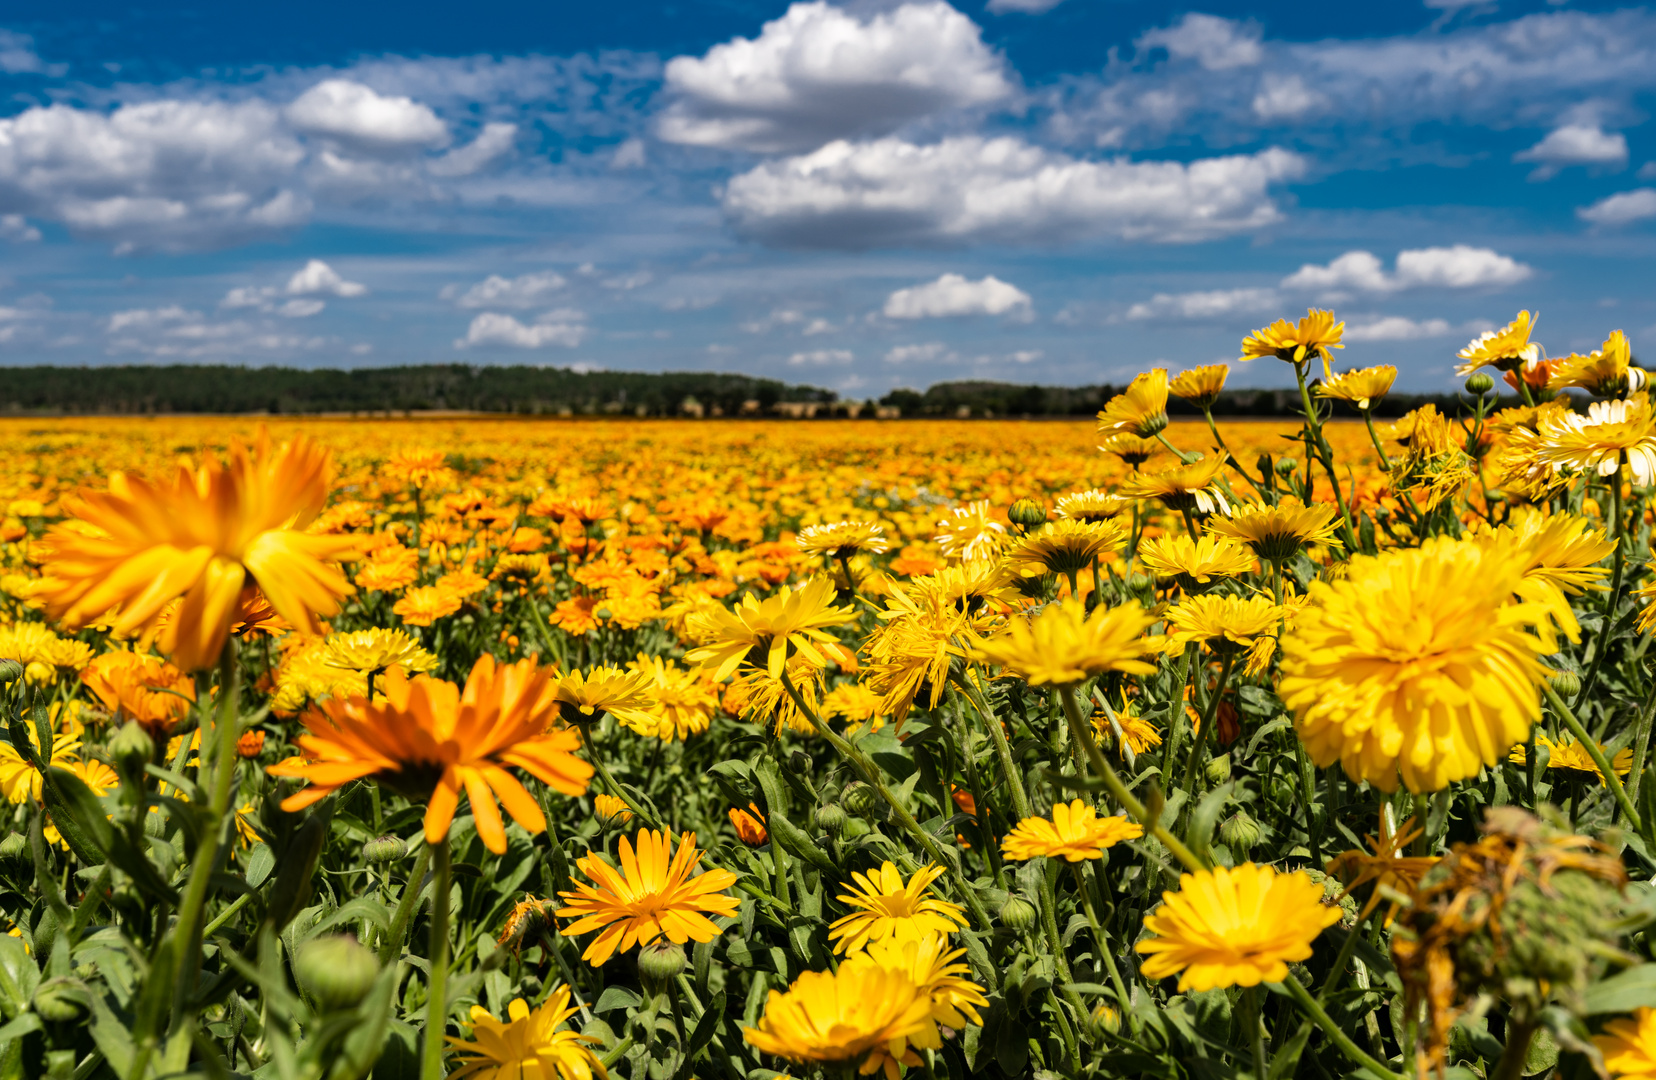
(143,688)
(428,738)
(750,828)
(424,606)
(652,895)
(251,744)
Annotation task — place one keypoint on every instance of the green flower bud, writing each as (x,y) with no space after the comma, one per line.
(859,798)
(1218,769)
(1479,383)
(1239,832)
(1566,683)
(10,671)
(335,970)
(59,1000)
(659,963)
(384,849)
(14,848)
(132,748)
(1286,466)
(1106,1019)
(1027,514)
(1018,914)
(800,762)
(1262,465)
(832,819)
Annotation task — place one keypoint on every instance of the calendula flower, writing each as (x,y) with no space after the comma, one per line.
(429,739)
(1362,387)
(1195,563)
(529,1045)
(375,651)
(1419,663)
(1063,645)
(1200,386)
(749,825)
(140,545)
(1192,487)
(1607,371)
(1387,867)
(1226,625)
(1075,833)
(1646,594)
(791,622)
(937,970)
(625,695)
(843,539)
(854,703)
(1313,335)
(1571,756)
(909,654)
(1234,927)
(1504,349)
(610,810)
(1068,546)
(652,895)
(1131,449)
(425,605)
(970,533)
(1093,505)
(685,700)
(140,687)
(43,654)
(1629,1045)
(420,468)
(1434,465)
(19,780)
(1138,733)
(1140,410)
(1559,548)
(887,907)
(1598,442)
(1278,533)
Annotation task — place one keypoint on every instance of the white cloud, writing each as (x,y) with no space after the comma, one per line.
(778,317)
(491,328)
(492,143)
(1025,356)
(906,354)
(1576,144)
(822,356)
(821,72)
(818,326)
(1397,328)
(16,228)
(317,278)
(365,121)
(1621,209)
(628,282)
(891,192)
(18,56)
(629,155)
(1024,7)
(526,290)
(1284,97)
(1458,267)
(1209,304)
(1214,43)
(302,308)
(952,295)
(144,318)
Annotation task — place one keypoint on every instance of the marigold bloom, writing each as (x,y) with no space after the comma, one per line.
(1313,335)
(251,744)
(1234,927)
(1063,645)
(842,539)
(1227,625)
(1278,533)
(19,780)
(1361,387)
(1140,410)
(749,825)
(428,739)
(376,650)
(1572,756)
(652,895)
(1503,349)
(1434,465)
(1598,441)
(42,653)
(1074,833)
(1560,549)
(1093,505)
(889,908)
(611,810)
(1195,563)
(1629,1045)
(970,533)
(1419,662)
(1138,733)
(529,1045)
(1200,386)
(625,695)
(684,700)
(910,653)
(854,703)
(425,605)
(936,969)
(141,544)
(1131,449)
(140,687)
(790,622)
(1193,487)
(1068,546)
(1607,371)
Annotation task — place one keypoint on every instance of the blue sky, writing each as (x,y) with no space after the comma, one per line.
(855,195)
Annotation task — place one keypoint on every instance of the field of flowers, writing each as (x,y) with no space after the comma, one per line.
(563,749)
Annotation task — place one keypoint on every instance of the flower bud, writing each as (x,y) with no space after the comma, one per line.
(55,1000)
(1027,514)
(384,849)
(750,827)
(1566,683)
(858,798)
(1479,383)
(1286,466)
(13,848)
(155,823)
(250,745)
(1106,1019)
(10,671)
(612,812)
(832,819)
(131,747)
(659,963)
(1262,465)
(1218,769)
(1239,832)
(335,970)
(1018,914)
(800,762)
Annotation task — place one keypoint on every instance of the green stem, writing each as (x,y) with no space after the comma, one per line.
(1589,744)
(226,915)
(1641,744)
(1049,926)
(597,761)
(391,947)
(1184,458)
(1003,749)
(431,1061)
(1101,938)
(1603,644)
(1513,1059)
(1253,1017)
(1339,1038)
(1325,455)
(1208,724)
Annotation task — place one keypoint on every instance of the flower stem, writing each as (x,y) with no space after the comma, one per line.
(1589,744)
(1253,1018)
(1101,940)
(392,945)
(1316,441)
(1003,749)
(431,1058)
(1339,1038)
(1208,725)
(1641,744)
(1616,532)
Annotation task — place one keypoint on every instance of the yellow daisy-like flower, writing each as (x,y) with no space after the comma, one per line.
(1571,755)
(1068,546)
(1140,410)
(970,533)
(685,701)
(140,545)
(1093,505)
(1075,833)
(1131,449)
(1560,549)
(843,539)
(790,622)
(426,604)
(1418,663)
(1504,349)
(1646,593)
(1629,1045)
(1598,441)
(1195,563)
(376,650)
(1227,625)
(19,780)
(625,695)
(909,654)
(1192,487)
(1063,645)
(611,810)
(889,908)
(1200,386)
(1362,387)
(1138,733)
(1313,335)
(1434,466)
(42,653)
(652,895)
(529,1045)
(1278,533)
(1607,371)
(936,969)
(1234,927)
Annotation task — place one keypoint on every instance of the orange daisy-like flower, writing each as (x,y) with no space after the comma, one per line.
(653,894)
(750,827)
(425,605)
(1076,832)
(427,738)
(140,544)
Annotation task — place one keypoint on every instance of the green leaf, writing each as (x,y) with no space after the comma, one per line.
(259,864)
(18,976)
(704,1031)
(112,1035)
(616,997)
(1624,992)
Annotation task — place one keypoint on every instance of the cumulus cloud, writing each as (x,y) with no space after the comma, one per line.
(1576,144)
(317,278)
(492,143)
(16,228)
(310,282)
(1621,209)
(1284,97)
(953,295)
(1215,43)
(1458,267)
(1397,328)
(563,327)
(822,356)
(523,291)
(892,192)
(1024,7)
(357,117)
(821,73)
(1208,304)
(177,333)
(925,351)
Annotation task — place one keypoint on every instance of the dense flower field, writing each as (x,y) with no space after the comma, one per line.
(671,749)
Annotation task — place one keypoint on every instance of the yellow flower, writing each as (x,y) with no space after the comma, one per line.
(1068,546)
(684,700)
(140,545)
(625,695)
(1560,549)
(790,622)
(1093,505)
(652,895)
(1195,562)
(1185,487)
(1131,449)
(1598,441)
(1140,410)
(1234,927)
(611,810)
(969,533)
(1629,1046)
(842,539)
(1418,662)
(1360,387)
(1075,833)
(376,650)
(854,703)
(909,654)
(1138,733)
(1063,645)
(936,969)
(1278,533)
(1504,349)
(1572,756)
(1200,386)
(888,908)
(1387,867)
(429,739)
(19,780)
(42,653)
(529,1045)
(1227,625)
(1607,372)
(1647,594)
(1314,335)
(1434,466)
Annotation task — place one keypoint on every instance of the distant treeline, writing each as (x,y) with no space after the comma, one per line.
(546,391)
